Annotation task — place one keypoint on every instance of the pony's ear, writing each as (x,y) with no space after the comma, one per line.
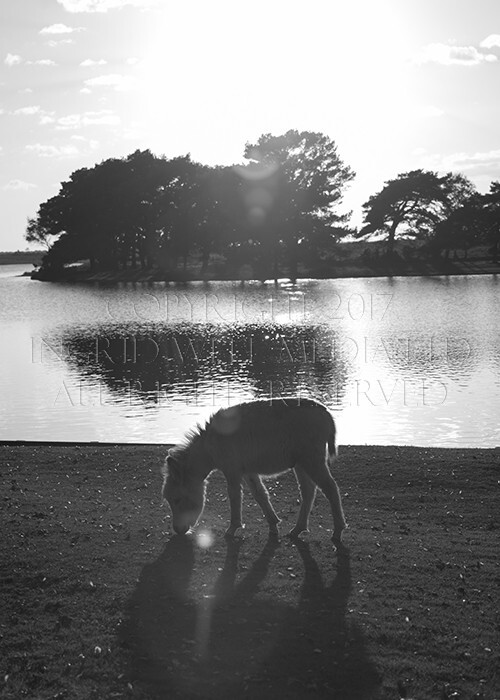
(172,466)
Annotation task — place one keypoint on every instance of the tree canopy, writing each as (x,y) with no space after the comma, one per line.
(279,208)
(149,210)
(294,185)
(412,204)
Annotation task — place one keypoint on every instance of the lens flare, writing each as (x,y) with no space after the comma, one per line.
(204,539)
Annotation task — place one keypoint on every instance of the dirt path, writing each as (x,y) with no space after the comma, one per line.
(99,601)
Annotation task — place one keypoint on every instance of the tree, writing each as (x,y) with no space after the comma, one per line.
(144,209)
(139,206)
(110,213)
(178,208)
(411,205)
(291,189)
(461,229)
(219,214)
(38,231)
(85,212)
(491,234)
(475,221)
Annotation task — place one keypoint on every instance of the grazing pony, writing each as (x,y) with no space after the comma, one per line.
(246,441)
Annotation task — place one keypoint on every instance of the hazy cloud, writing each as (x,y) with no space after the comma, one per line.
(41,62)
(60,29)
(113,80)
(472,163)
(12,59)
(453,55)
(19,185)
(59,42)
(469,161)
(27,111)
(103,5)
(45,151)
(15,60)
(491,41)
(77,121)
(46,118)
(89,63)
(91,143)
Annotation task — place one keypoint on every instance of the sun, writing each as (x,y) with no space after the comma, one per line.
(215,75)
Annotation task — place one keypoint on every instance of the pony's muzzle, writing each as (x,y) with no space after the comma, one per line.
(181,529)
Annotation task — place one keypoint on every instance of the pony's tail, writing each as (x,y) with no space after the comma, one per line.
(332,442)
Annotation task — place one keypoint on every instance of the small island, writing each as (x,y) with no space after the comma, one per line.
(149,218)
(352,260)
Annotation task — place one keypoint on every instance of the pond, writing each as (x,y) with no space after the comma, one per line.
(399,361)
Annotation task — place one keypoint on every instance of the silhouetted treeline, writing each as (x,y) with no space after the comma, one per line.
(277,211)
(444,212)
(148,211)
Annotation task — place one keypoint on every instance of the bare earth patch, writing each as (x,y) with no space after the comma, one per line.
(99,600)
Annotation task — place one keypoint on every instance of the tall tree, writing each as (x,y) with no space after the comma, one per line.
(178,208)
(412,204)
(85,214)
(293,186)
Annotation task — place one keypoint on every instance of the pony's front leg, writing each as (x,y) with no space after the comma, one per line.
(262,497)
(235,502)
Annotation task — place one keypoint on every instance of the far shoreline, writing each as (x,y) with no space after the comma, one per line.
(374,265)
(448,268)
(139,446)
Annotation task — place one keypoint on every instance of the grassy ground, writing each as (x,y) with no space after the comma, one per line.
(99,601)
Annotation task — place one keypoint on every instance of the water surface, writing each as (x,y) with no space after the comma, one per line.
(398,361)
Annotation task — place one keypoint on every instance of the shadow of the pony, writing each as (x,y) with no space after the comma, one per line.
(239,641)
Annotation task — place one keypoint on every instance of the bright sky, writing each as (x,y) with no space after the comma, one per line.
(397,84)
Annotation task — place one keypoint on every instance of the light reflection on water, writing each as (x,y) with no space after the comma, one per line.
(398,361)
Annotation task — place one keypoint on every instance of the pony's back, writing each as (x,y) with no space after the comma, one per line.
(270,436)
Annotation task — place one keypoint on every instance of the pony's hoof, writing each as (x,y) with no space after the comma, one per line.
(274,533)
(340,546)
(295,532)
(234,532)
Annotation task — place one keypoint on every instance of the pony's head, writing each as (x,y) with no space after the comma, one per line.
(184,493)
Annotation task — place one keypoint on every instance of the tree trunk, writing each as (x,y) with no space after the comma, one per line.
(275,266)
(391,239)
(205,256)
(293,263)
(495,251)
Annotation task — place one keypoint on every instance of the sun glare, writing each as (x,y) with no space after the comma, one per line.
(211,84)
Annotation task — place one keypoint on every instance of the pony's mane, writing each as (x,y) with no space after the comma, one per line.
(190,438)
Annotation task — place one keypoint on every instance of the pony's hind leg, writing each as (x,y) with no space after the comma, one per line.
(307,492)
(261,495)
(235,503)
(320,473)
